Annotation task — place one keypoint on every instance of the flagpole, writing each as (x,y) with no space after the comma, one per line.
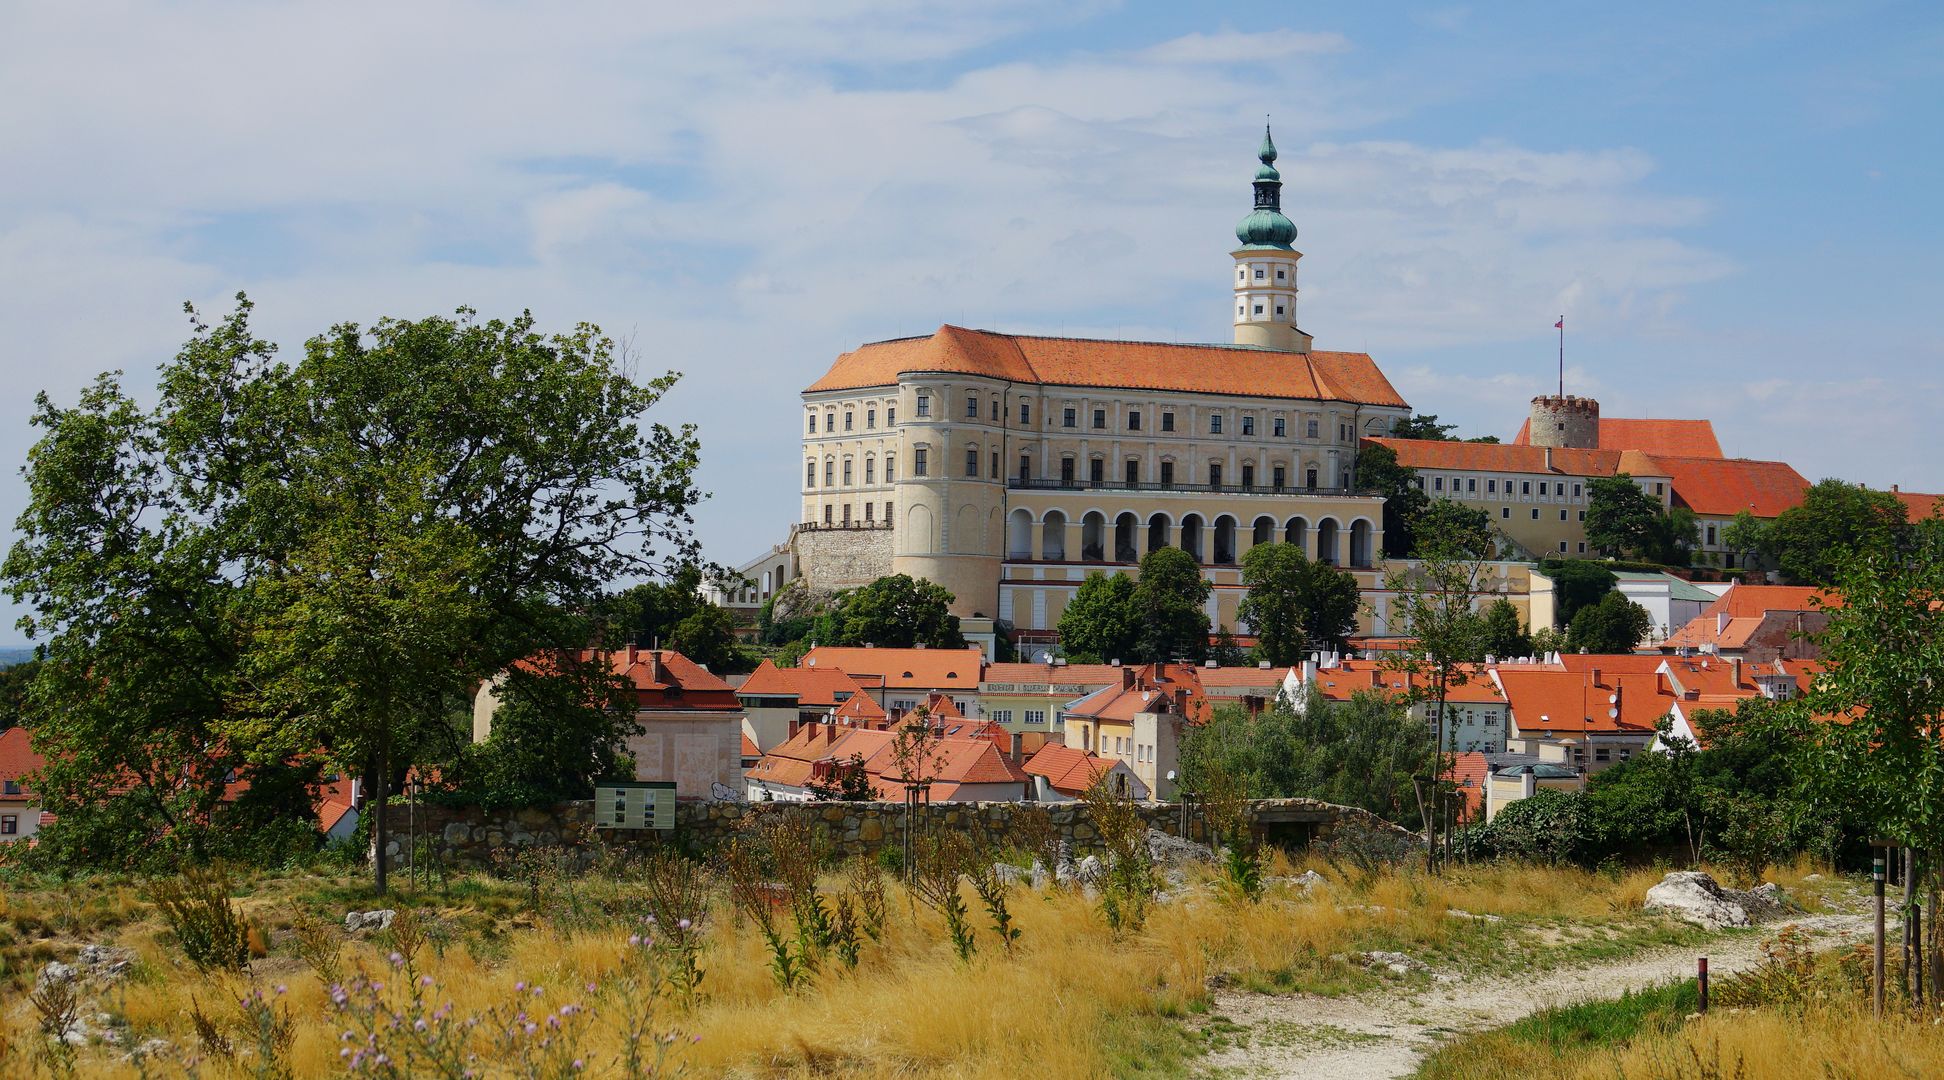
(1561,325)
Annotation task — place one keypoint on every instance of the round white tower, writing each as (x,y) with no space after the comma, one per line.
(1265,266)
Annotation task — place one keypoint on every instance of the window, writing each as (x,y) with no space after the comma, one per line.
(1001,716)
(1525,487)
(1167,474)
(1562,515)
(1660,489)
(1025,466)
(870,419)
(847,507)
(1343,432)
(1711,535)
(870,470)
(924,405)
(847,472)
(1582,547)
(1133,421)
(1278,477)
(1258,274)
(1505,511)
(830,472)
(1100,419)
(971,407)
(1069,418)
(10,825)
(1132,472)
(1248,476)
(868,507)
(1562,547)
(1309,479)
(1215,423)
(1279,428)
(1542,487)
(1066,471)
(1248,425)
(1280,275)
(1167,421)
(1097,471)
(1258,309)
(1437,483)
(1309,429)
(1601,753)
(809,474)
(1576,491)
(1471,485)
(995,410)
(1279,309)
(826,513)
(1036,716)
(887,510)
(994,468)
(972,461)
(890,416)
(1214,474)
(918,462)
(890,469)
(1535,513)
(1025,412)
(850,419)
(1582,515)
(813,423)
(1491,487)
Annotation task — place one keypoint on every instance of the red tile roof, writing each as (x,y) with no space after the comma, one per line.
(17,759)
(663,679)
(1723,487)
(1499,457)
(1046,675)
(1919,506)
(904,669)
(1146,688)
(1067,770)
(817,687)
(1684,438)
(1468,770)
(1618,663)
(1247,678)
(860,711)
(1134,365)
(1729,621)
(959,760)
(1348,677)
(1567,702)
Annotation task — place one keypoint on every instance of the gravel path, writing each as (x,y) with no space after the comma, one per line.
(1386,1034)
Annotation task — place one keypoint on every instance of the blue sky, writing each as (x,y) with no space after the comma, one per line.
(1734,206)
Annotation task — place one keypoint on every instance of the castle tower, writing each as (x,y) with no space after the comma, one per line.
(1265,266)
(1565,423)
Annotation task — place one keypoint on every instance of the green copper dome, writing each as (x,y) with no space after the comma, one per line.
(1266,226)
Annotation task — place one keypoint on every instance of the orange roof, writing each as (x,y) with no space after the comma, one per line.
(1468,770)
(1132,365)
(813,686)
(1728,622)
(1247,678)
(1147,688)
(1919,506)
(749,747)
(1567,702)
(1724,487)
(959,760)
(939,707)
(1618,663)
(1037,675)
(664,680)
(860,711)
(1067,770)
(1684,438)
(1499,457)
(17,759)
(1350,676)
(904,669)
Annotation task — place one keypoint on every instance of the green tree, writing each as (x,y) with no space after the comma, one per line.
(1746,535)
(674,614)
(1505,632)
(1674,535)
(1577,583)
(1225,652)
(14,681)
(1614,625)
(1450,526)
(1099,625)
(1423,426)
(1620,517)
(1170,607)
(1835,523)
(338,551)
(894,612)
(1294,605)
(559,726)
(708,637)
(1378,470)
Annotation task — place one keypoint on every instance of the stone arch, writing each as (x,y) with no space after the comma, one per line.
(1093,537)
(1019,535)
(1053,536)
(1127,530)
(920,535)
(1296,531)
(966,529)
(1360,542)
(1191,536)
(1264,531)
(1224,546)
(995,533)
(1159,529)
(1326,541)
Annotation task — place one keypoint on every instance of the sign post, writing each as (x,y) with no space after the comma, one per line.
(634,804)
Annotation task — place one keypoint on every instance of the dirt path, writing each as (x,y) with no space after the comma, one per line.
(1387,1034)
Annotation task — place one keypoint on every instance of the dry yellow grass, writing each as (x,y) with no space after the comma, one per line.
(1061,1005)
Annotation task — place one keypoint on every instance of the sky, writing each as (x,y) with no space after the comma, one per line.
(1734,206)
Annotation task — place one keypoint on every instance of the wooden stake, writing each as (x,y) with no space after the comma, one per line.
(1701,982)
(1876,875)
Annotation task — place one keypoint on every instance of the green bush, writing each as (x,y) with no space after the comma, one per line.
(207,928)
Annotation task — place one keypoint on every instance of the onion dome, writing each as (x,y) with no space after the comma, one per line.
(1266,227)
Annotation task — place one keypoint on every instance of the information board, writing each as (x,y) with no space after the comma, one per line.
(634,804)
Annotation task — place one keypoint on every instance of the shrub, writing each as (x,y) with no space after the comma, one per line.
(207,928)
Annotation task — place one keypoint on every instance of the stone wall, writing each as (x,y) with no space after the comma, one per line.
(841,558)
(472,837)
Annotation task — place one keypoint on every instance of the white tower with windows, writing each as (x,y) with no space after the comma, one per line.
(1265,266)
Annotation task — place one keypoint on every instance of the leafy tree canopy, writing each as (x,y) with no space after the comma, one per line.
(894,612)
(1098,625)
(1295,605)
(1505,632)
(1836,523)
(1450,529)
(675,615)
(1614,625)
(1170,607)
(1378,470)
(1426,426)
(1577,583)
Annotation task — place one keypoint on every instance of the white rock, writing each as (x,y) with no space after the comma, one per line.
(1695,897)
(54,974)
(380,919)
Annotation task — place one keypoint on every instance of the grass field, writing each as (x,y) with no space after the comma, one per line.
(1071,999)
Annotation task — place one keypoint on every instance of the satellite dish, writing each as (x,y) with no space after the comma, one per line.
(1613,699)
(1613,714)
(1046,657)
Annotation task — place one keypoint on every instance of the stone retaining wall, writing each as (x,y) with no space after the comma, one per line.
(471,837)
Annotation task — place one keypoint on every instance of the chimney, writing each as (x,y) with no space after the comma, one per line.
(1018,746)
(633,651)
(1549,466)
(1721,623)
(1596,676)
(1127,678)
(1181,700)
(1736,668)
(1309,671)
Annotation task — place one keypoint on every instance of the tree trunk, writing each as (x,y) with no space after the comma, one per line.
(1913,967)
(380,829)
(1437,757)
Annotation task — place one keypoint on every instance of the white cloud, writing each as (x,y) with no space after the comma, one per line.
(1236,47)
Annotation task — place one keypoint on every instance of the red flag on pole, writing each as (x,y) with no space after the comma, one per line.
(1561,324)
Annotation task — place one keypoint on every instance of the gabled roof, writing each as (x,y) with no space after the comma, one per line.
(663,679)
(1738,613)
(1126,365)
(1150,688)
(904,669)
(1067,770)
(1618,663)
(959,760)
(1724,487)
(1468,770)
(860,711)
(1917,505)
(1568,702)
(1035,676)
(1685,438)
(939,707)
(1347,677)
(816,687)
(17,759)
(1216,679)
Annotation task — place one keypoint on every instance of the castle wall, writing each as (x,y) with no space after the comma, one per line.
(1568,422)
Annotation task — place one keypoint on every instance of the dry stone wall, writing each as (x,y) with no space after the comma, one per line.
(474,837)
(830,559)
